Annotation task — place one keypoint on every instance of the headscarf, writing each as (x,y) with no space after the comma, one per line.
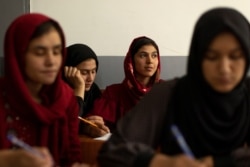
(136,88)
(51,115)
(213,123)
(76,54)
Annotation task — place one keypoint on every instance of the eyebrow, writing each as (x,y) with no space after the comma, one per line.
(233,50)
(59,46)
(148,52)
(87,69)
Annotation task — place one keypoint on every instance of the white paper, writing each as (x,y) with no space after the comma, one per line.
(104,137)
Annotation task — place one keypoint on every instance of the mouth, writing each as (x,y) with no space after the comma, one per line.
(50,72)
(88,85)
(149,68)
(224,81)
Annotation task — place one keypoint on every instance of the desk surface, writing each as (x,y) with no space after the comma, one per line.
(90,149)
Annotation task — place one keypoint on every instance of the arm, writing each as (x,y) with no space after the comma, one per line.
(81,105)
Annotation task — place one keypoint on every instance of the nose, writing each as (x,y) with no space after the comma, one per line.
(149,59)
(49,58)
(224,66)
(90,77)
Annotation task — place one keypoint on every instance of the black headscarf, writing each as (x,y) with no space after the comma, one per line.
(76,54)
(213,123)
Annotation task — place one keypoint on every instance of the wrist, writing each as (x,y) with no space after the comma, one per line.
(79,91)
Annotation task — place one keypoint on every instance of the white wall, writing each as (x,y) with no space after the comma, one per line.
(109,26)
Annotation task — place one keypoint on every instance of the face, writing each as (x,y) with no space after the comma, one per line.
(224,63)
(146,61)
(88,72)
(43,59)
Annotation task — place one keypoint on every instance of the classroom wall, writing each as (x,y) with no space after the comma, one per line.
(110,25)
(10,9)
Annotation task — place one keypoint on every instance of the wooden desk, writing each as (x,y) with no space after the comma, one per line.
(90,149)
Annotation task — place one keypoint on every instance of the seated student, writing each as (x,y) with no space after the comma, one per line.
(210,105)
(142,70)
(79,72)
(35,104)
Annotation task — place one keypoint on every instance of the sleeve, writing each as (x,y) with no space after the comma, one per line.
(74,153)
(138,133)
(81,105)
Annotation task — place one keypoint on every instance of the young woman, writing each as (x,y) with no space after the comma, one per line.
(210,105)
(84,59)
(142,70)
(35,104)
(79,72)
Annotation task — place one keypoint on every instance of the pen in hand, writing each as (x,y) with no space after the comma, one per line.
(14,140)
(181,141)
(88,122)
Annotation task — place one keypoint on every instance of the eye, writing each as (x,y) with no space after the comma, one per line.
(39,51)
(154,55)
(237,55)
(142,54)
(211,56)
(83,72)
(57,51)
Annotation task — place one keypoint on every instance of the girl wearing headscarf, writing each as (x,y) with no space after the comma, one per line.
(77,55)
(80,71)
(35,104)
(142,70)
(210,105)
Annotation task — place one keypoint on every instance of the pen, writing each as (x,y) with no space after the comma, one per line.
(87,121)
(14,140)
(181,141)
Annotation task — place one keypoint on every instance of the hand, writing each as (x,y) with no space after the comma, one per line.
(93,131)
(22,158)
(73,76)
(161,160)
(208,160)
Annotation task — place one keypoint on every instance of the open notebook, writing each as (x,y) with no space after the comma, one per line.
(104,137)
